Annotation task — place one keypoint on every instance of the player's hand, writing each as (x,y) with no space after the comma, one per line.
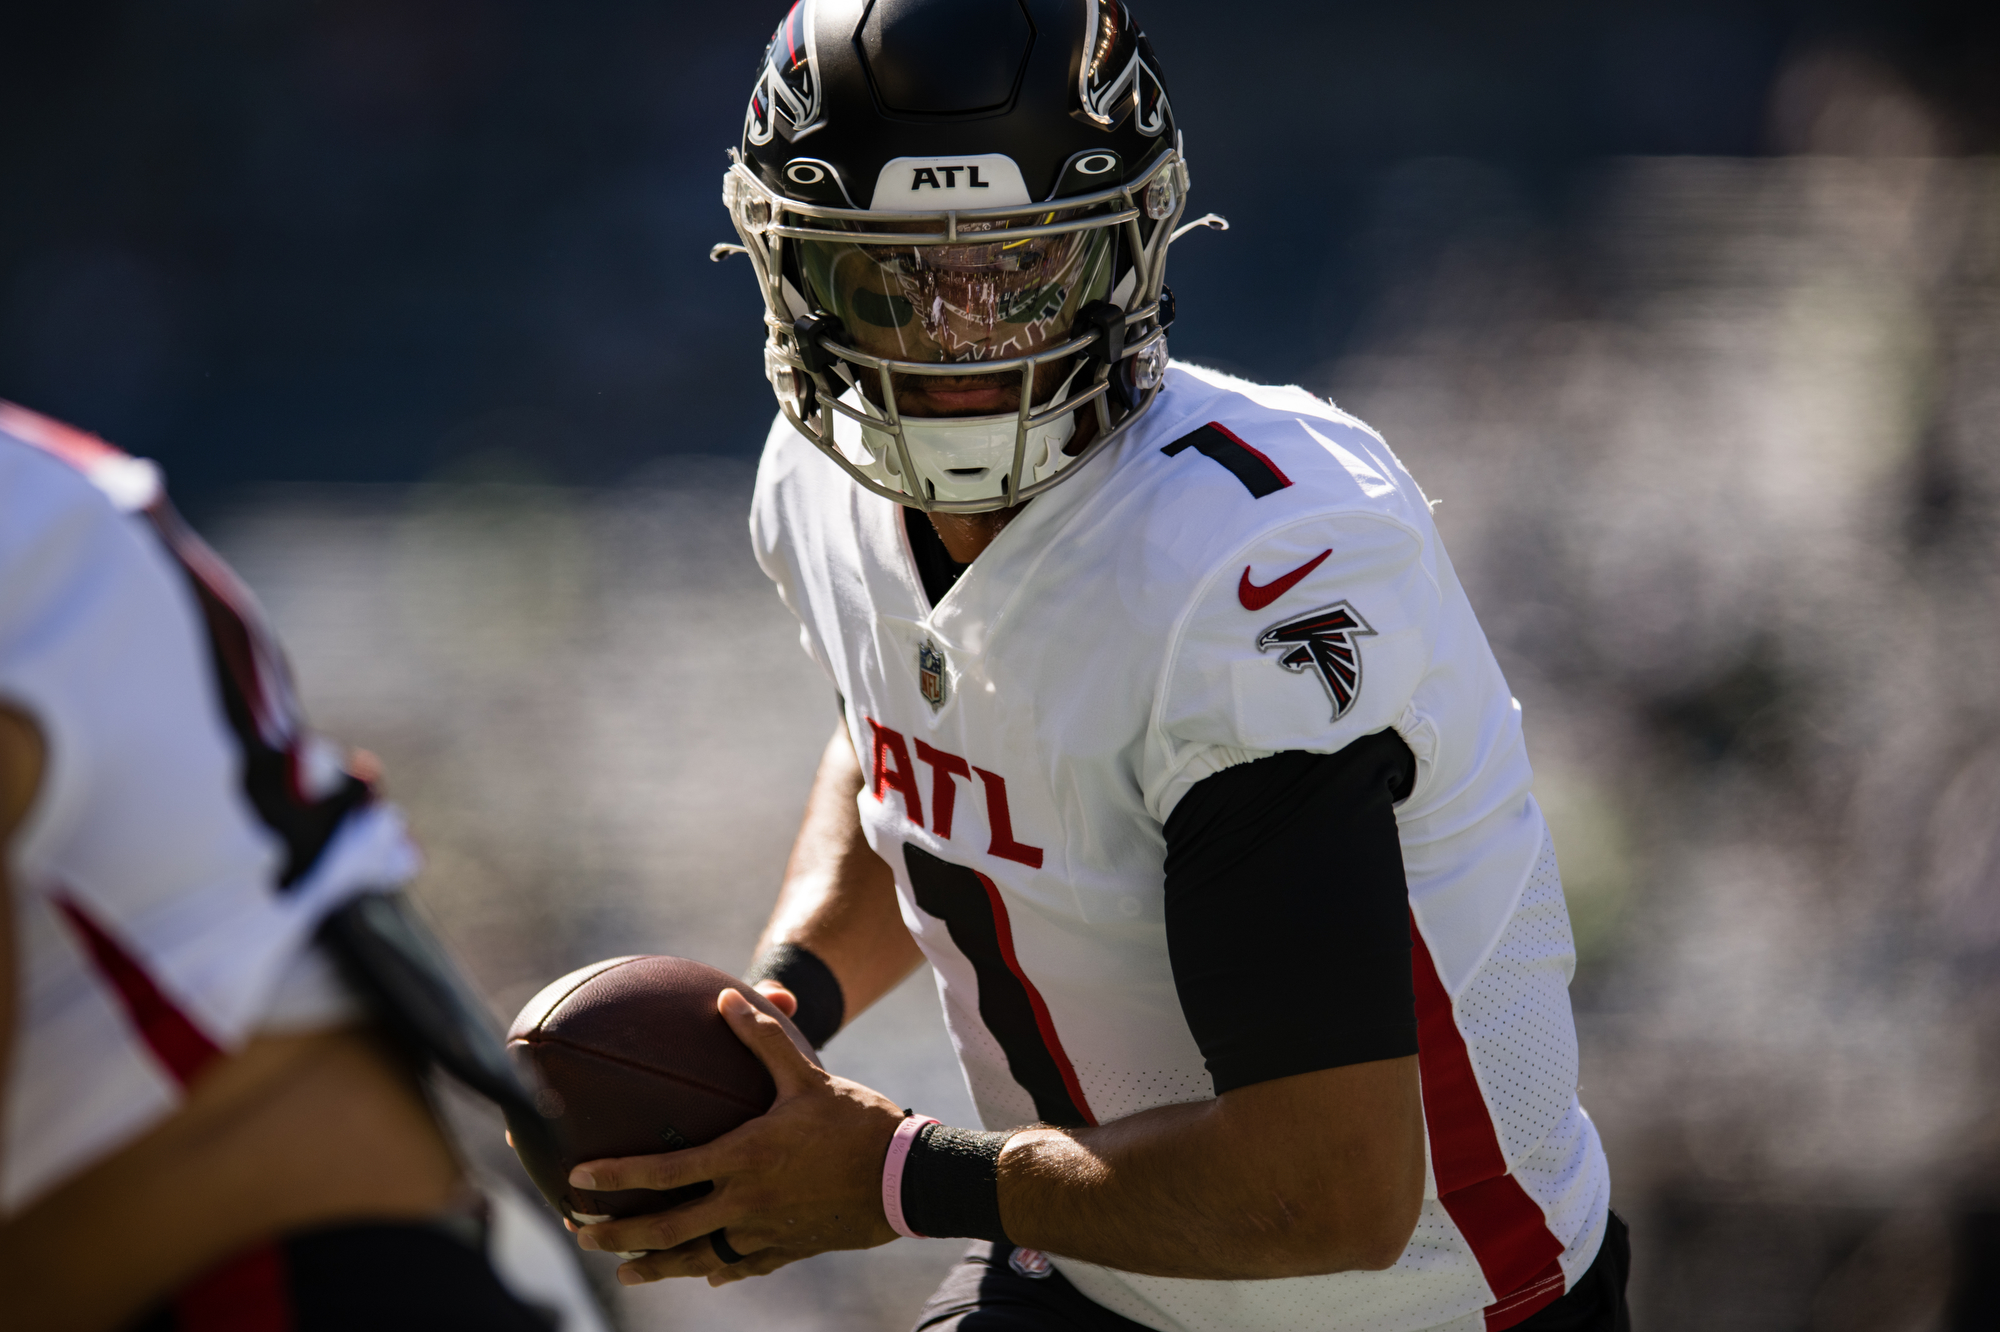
(781,998)
(364,765)
(802,1178)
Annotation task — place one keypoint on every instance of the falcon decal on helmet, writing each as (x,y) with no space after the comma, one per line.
(1117,67)
(788,86)
(1324,640)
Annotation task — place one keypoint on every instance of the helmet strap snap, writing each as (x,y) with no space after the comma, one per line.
(1107,320)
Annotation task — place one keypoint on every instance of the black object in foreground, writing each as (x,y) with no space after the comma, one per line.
(393,960)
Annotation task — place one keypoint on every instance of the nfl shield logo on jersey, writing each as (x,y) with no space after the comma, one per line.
(930,673)
(1030,1263)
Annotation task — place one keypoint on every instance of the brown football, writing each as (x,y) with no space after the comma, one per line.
(630,1058)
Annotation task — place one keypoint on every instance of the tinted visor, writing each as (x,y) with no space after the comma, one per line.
(980,300)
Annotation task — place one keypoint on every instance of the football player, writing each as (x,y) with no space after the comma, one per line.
(204,1128)
(1167,737)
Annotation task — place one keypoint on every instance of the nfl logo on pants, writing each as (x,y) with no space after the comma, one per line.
(930,673)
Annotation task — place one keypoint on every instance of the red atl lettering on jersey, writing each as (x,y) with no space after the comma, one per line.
(1002,824)
(894,772)
(944,792)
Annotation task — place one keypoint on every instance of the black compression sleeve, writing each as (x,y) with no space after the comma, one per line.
(812,982)
(1288,913)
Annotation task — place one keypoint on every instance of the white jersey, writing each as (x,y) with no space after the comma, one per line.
(1247,571)
(189,834)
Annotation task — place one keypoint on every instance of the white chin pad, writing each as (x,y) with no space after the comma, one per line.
(963,458)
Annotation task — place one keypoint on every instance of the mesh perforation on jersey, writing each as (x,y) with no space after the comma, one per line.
(1514,1014)
(1001,1102)
(1567,1182)
(1116,1093)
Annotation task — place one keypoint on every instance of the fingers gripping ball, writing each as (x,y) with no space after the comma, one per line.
(632,1059)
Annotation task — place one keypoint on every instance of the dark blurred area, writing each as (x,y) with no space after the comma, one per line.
(363,240)
(1687,314)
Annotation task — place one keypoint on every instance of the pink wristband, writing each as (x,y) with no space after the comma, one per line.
(892,1172)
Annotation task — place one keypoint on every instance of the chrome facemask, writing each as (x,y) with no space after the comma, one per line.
(959,294)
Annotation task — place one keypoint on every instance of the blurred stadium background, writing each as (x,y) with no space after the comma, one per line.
(1689,313)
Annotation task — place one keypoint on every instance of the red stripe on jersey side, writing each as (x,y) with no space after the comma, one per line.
(248,1293)
(1504,1226)
(169,1033)
(1253,450)
(80,449)
(1464,1148)
(1005,930)
(1531,1299)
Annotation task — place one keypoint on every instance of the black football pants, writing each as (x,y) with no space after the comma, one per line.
(366,1278)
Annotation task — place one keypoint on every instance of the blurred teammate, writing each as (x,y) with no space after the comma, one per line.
(202,1129)
(1168,738)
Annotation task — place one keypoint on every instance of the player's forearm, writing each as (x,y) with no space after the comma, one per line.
(20,778)
(228,1168)
(6,979)
(839,897)
(1322,1173)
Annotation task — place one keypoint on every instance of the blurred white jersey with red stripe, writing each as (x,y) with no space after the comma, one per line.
(1247,571)
(189,833)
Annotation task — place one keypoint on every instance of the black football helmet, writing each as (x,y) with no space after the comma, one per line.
(930,186)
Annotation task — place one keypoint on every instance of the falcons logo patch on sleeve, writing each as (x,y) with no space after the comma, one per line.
(1323,640)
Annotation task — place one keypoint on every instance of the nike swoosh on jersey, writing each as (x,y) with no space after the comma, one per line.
(1255,598)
